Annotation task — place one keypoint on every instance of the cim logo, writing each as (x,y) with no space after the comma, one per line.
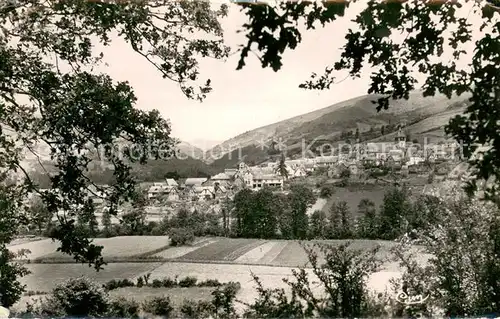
(411,300)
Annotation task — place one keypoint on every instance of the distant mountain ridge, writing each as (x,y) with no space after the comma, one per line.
(185,148)
(187,164)
(424,114)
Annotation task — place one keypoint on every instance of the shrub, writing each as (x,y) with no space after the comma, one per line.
(146,278)
(169,283)
(188,282)
(140,282)
(123,308)
(81,297)
(40,307)
(223,299)
(156,283)
(158,306)
(346,269)
(326,191)
(117,283)
(181,236)
(196,309)
(126,283)
(209,283)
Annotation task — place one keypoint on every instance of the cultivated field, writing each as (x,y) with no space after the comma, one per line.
(226,249)
(44,277)
(175,252)
(116,247)
(224,259)
(284,253)
(177,295)
(271,277)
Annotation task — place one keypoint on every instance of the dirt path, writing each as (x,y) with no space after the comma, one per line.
(320,203)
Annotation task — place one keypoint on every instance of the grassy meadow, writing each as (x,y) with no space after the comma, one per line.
(224,259)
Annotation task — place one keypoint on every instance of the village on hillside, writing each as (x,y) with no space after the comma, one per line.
(359,162)
(363,163)
(366,163)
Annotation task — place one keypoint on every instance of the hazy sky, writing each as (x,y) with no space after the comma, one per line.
(241,100)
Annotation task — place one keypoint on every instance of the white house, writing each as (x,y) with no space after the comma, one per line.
(299,172)
(325,161)
(167,190)
(260,181)
(415,160)
(201,193)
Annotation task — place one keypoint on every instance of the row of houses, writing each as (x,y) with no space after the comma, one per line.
(398,152)
(408,156)
(254,178)
(197,189)
(223,184)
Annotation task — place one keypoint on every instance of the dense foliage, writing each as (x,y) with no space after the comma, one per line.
(181,236)
(81,297)
(461,275)
(52,98)
(265,214)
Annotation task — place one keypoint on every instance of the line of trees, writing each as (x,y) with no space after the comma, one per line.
(265,214)
(398,215)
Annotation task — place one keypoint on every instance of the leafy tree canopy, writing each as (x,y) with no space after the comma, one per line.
(51,94)
(400,42)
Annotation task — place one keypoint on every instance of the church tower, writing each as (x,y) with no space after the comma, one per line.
(401,137)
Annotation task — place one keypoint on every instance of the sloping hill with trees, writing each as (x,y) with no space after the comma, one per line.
(340,121)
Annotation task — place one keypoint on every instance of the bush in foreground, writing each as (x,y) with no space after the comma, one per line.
(181,236)
(158,306)
(80,297)
(124,308)
(196,309)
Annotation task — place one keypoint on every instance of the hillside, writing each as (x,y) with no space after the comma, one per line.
(188,164)
(190,150)
(423,115)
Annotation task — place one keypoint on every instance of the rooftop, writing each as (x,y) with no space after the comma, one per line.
(171,182)
(267,177)
(195,181)
(221,176)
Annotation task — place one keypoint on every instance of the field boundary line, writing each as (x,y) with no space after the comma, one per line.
(275,254)
(120,260)
(244,249)
(152,252)
(226,262)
